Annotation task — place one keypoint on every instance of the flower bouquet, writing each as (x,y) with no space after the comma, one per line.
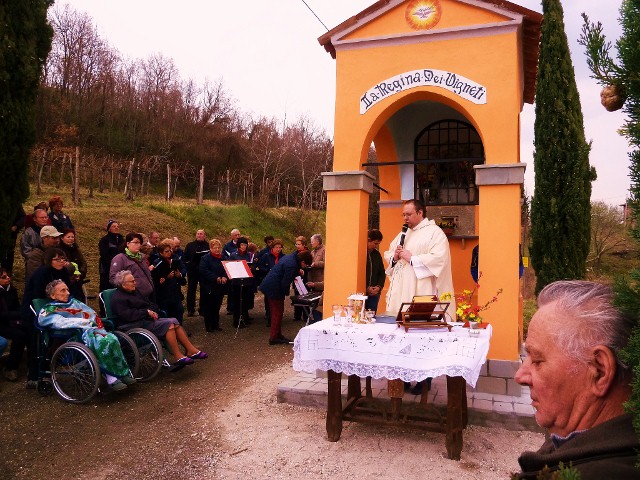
(466,311)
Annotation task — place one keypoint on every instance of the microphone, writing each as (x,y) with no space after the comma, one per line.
(405,227)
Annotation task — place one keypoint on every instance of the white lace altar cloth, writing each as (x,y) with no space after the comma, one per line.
(383,350)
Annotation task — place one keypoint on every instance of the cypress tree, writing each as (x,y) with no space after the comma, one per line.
(561,209)
(25,41)
(622,84)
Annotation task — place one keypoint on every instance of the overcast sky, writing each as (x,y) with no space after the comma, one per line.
(269,59)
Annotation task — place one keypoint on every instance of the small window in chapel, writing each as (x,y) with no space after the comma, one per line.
(445,154)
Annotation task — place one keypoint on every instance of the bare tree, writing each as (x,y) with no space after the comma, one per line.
(267,154)
(310,152)
(116,109)
(607,232)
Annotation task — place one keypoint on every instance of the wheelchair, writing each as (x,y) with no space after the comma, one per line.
(70,367)
(147,346)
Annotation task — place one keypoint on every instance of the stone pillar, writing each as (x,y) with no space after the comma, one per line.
(499,232)
(346,242)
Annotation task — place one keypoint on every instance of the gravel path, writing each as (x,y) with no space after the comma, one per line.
(264,439)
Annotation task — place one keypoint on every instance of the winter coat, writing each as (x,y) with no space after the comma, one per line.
(276,285)
(138,268)
(109,247)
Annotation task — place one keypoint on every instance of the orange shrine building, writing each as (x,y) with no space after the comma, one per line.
(437,86)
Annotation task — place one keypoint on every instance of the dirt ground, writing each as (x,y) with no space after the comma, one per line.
(219,419)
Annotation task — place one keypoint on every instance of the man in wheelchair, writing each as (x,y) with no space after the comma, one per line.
(65,312)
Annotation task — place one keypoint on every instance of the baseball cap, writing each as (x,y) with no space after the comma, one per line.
(49,231)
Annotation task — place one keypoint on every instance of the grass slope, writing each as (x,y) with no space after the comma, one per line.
(180,217)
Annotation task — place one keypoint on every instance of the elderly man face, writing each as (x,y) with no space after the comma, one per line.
(560,385)
(175,243)
(40,218)
(200,235)
(154,238)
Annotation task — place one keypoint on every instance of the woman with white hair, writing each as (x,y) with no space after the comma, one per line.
(64,311)
(134,310)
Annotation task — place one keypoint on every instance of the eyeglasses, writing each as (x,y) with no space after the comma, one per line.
(4,277)
(135,241)
(58,259)
(133,280)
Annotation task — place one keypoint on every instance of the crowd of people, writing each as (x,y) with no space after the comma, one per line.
(578,381)
(149,275)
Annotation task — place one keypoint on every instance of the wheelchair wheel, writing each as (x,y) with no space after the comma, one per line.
(75,373)
(149,352)
(130,351)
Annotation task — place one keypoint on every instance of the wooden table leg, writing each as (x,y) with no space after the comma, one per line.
(395,389)
(455,391)
(334,406)
(354,389)
(465,412)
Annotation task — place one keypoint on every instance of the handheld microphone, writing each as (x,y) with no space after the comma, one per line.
(405,227)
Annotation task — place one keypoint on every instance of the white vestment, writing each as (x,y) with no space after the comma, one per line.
(429,244)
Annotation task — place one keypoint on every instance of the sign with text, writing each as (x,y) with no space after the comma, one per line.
(461,86)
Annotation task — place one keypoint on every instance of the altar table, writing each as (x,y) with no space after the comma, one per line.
(383,350)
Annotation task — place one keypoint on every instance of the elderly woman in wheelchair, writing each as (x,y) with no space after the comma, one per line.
(65,312)
(133,310)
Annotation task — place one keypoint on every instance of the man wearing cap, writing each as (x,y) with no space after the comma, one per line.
(50,237)
(31,236)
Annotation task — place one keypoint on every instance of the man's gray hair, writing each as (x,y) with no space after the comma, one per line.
(586,318)
(51,286)
(118,278)
(234,231)
(316,237)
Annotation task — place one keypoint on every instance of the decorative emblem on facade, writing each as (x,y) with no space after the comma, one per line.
(423,14)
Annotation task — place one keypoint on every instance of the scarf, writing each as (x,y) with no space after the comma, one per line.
(216,255)
(130,254)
